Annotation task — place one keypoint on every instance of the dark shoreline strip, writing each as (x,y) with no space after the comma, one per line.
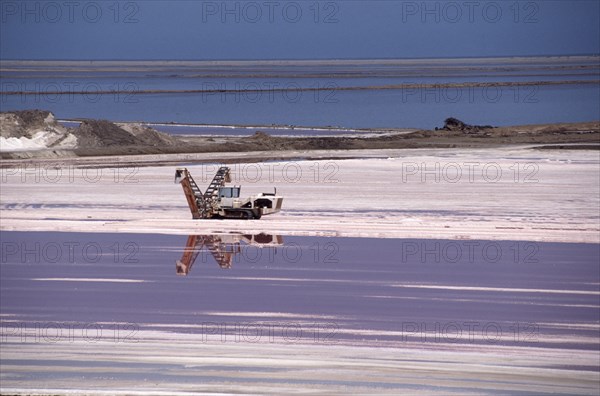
(311,89)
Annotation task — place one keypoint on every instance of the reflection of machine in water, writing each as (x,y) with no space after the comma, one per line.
(223,248)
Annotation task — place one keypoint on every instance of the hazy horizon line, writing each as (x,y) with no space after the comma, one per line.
(295,59)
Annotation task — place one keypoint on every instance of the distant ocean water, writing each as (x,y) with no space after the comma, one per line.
(363,95)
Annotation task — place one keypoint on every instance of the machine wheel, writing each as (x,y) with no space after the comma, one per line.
(243,214)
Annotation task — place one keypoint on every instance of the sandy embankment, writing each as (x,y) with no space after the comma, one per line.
(495,194)
(19,139)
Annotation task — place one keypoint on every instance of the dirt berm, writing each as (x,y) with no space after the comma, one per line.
(102,138)
(91,137)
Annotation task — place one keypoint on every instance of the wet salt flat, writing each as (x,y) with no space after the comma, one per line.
(269,313)
(387,291)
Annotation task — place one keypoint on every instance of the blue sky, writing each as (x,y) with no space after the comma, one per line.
(299,29)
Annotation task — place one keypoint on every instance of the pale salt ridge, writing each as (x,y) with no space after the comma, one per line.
(41,140)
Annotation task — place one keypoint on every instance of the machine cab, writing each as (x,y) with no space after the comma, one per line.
(229,194)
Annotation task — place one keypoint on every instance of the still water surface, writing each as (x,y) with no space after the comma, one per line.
(383,290)
(313,95)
